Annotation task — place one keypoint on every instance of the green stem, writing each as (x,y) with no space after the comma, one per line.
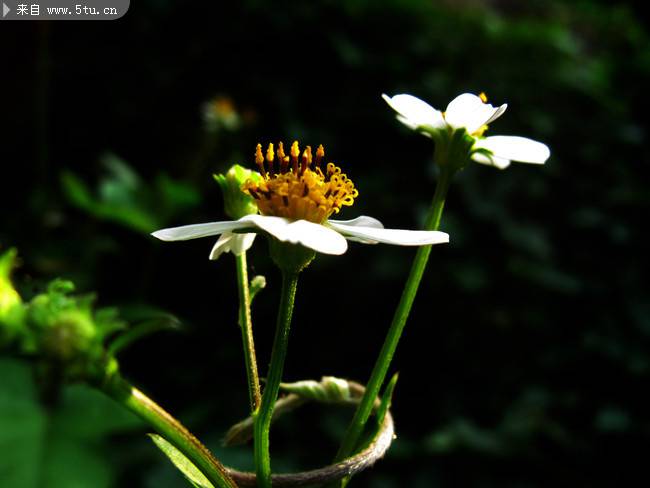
(357,425)
(171,429)
(263,416)
(246,325)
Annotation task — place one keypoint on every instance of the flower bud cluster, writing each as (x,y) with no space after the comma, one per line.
(62,331)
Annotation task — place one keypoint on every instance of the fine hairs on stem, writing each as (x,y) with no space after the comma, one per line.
(246,325)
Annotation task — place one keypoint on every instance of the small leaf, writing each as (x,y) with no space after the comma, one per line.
(380,415)
(76,191)
(184,465)
(143,329)
(386,400)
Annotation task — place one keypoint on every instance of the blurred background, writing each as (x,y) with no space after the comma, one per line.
(526,361)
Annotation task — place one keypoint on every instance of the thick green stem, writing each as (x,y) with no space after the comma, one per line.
(246,325)
(357,425)
(171,429)
(263,416)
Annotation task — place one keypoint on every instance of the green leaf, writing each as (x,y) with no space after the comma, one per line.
(184,465)
(59,447)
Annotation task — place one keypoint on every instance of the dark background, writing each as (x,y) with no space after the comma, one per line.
(526,360)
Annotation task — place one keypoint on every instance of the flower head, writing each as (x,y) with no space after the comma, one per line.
(467,117)
(294,189)
(295,198)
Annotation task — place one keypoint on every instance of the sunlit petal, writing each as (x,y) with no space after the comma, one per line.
(399,237)
(415,112)
(495,161)
(195,231)
(361,221)
(235,243)
(314,236)
(469,111)
(516,148)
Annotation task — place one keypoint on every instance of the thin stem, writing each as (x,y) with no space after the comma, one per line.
(357,425)
(246,325)
(171,429)
(263,416)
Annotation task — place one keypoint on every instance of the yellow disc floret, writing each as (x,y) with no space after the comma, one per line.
(292,188)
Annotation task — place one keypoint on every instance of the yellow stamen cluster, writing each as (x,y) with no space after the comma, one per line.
(291,187)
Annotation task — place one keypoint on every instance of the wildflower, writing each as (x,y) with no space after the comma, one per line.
(468,116)
(295,198)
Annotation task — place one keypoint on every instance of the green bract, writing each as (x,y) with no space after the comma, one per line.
(237,204)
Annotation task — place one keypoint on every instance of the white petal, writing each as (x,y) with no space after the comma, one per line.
(407,122)
(495,161)
(516,148)
(235,243)
(195,231)
(361,221)
(469,111)
(242,243)
(415,112)
(498,113)
(373,235)
(314,236)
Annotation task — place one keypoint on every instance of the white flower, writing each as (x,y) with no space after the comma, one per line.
(472,113)
(328,238)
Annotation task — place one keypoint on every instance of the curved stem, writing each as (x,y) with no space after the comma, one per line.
(246,325)
(263,416)
(357,425)
(367,457)
(171,429)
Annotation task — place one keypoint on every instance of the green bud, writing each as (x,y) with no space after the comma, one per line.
(257,284)
(11,309)
(67,334)
(237,204)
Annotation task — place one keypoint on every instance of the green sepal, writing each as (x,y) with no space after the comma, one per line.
(184,465)
(453,147)
(290,258)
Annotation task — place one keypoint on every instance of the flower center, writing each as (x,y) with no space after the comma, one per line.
(293,189)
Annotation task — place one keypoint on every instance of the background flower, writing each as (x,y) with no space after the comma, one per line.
(473,114)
